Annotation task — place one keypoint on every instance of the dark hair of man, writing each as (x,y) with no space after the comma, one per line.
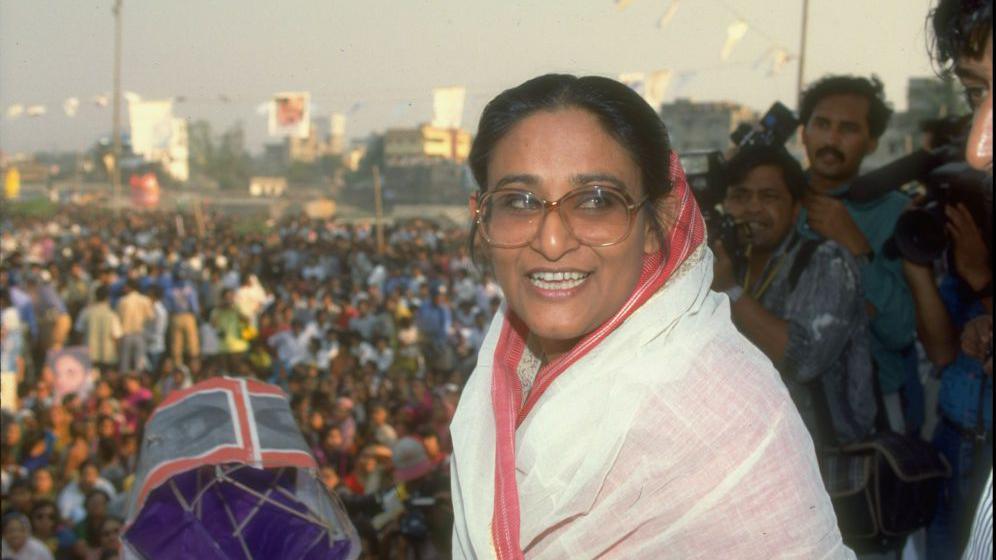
(870,89)
(752,157)
(960,28)
(621,111)
(102,293)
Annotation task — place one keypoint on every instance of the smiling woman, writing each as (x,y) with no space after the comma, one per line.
(615,411)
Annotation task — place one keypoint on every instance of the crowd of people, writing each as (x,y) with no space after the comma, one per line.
(371,348)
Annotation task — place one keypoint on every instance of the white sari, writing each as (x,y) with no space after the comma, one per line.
(672,437)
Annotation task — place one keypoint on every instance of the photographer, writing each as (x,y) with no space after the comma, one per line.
(963,44)
(843,117)
(798,300)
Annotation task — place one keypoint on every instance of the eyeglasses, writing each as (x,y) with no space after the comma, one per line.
(597,216)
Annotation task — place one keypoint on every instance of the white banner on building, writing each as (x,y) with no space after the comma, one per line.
(151,126)
(290,114)
(447,106)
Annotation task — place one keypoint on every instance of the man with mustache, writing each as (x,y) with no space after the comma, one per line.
(799,300)
(843,118)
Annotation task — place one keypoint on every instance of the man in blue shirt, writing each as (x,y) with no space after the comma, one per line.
(843,117)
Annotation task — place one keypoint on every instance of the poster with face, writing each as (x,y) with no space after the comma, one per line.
(290,115)
(72,371)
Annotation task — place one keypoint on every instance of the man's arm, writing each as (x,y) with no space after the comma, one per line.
(937,333)
(767,331)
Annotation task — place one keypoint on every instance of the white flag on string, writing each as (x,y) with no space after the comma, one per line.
(668,14)
(101,101)
(778,61)
(622,4)
(70,106)
(36,110)
(734,33)
(447,106)
(15,110)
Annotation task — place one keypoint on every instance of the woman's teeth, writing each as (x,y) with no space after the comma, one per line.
(558,280)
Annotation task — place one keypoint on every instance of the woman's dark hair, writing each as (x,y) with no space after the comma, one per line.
(960,28)
(871,89)
(755,156)
(621,111)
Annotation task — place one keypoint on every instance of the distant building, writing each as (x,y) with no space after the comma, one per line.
(326,137)
(926,98)
(695,125)
(425,144)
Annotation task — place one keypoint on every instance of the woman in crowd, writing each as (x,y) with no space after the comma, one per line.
(18,544)
(615,411)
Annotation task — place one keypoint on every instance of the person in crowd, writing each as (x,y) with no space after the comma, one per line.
(47,526)
(72,499)
(184,308)
(799,300)
(135,310)
(963,44)
(611,336)
(842,118)
(18,542)
(101,328)
(155,329)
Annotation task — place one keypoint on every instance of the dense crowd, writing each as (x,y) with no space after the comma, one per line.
(371,347)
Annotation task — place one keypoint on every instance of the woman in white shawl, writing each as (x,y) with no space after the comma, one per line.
(615,412)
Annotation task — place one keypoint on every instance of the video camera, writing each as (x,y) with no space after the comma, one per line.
(920,234)
(706,174)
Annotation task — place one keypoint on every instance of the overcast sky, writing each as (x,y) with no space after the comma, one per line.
(381,58)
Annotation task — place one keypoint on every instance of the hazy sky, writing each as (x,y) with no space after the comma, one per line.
(388,55)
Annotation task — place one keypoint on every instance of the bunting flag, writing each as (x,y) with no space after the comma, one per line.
(101,101)
(70,106)
(734,33)
(622,4)
(657,87)
(668,14)
(779,59)
(447,106)
(36,110)
(132,97)
(15,110)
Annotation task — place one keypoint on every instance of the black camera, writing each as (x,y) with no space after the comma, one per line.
(706,175)
(920,235)
(774,129)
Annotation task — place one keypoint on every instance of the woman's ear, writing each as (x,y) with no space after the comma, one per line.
(652,234)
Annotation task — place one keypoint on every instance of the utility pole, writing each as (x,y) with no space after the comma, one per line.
(116,131)
(378,211)
(802,53)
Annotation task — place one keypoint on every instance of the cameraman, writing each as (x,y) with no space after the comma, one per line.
(798,300)
(963,44)
(843,118)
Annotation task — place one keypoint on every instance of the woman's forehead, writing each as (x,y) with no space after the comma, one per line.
(559,146)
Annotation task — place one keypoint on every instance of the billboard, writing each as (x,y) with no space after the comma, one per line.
(290,115)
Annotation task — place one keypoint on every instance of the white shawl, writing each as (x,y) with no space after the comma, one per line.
(673,438)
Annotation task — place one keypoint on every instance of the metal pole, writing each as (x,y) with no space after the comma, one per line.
(802,53)
(116,131)
(378,211)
